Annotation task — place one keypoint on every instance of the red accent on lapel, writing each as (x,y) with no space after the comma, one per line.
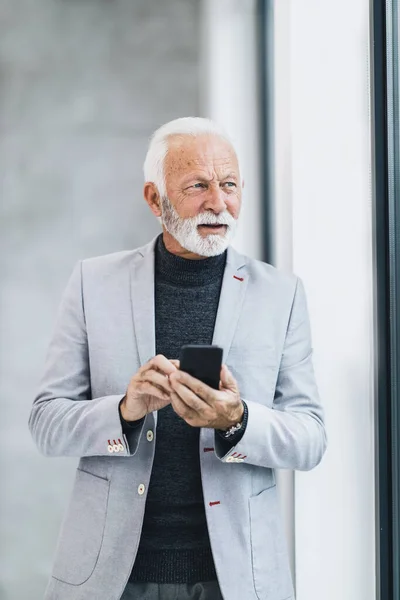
(239,278)
(212,503)
(208,449)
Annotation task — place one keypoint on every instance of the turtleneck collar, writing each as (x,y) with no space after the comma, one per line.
(186,272)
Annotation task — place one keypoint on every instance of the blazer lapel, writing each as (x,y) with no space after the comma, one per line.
(234,285)
(142,297)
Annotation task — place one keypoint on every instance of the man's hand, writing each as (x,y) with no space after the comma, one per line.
(202,406)
(149,389)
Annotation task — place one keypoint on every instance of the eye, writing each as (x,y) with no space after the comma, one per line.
(230,183)
(198,185)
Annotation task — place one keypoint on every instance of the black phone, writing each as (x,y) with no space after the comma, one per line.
(203,362)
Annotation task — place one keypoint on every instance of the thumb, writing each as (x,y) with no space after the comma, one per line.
(227,379)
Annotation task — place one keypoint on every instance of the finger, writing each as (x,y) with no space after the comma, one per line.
(227,379)
(159,363)
(185,394)
(145,387)
(158,379)
(199,388)
(162,364)
(182,409)
(175,362)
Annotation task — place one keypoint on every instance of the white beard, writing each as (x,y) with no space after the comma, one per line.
(186,233)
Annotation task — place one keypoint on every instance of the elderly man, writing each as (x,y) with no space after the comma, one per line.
(175,495)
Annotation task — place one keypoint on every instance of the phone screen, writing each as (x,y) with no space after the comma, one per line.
(202,362)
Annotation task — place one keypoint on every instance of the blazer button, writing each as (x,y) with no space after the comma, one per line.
(141,489)
(111,448)
(150,435)
(230,459)
(116,447)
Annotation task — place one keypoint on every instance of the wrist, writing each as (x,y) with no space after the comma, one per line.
(239,425)
(128,415)
(238,416)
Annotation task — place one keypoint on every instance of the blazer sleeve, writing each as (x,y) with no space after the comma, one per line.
(291,434)
(65,420)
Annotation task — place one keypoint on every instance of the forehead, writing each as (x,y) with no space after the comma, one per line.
(204,152)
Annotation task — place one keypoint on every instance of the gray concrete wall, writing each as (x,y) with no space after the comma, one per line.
(83,83)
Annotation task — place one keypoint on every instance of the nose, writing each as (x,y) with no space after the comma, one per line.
(215,199)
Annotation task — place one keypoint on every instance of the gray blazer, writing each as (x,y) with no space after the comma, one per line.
(104,332)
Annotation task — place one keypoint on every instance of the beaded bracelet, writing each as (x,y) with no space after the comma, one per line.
(233,429)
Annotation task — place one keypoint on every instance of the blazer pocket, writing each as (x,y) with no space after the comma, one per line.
(270,560)
(82,530)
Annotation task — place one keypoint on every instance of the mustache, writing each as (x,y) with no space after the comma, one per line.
(205,218)
(219,222)
(210,219)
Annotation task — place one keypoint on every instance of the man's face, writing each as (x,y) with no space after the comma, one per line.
(204,190)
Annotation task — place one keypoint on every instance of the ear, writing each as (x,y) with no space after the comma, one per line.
(242,183)
(152,197)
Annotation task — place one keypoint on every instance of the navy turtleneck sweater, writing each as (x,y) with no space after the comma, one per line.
(174,545)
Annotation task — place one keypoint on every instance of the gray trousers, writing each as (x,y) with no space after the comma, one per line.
(206,590)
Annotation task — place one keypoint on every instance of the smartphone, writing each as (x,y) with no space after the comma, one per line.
(203,362)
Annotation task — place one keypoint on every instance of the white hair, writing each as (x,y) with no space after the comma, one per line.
(158,147)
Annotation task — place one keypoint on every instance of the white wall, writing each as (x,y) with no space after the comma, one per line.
(322,144)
